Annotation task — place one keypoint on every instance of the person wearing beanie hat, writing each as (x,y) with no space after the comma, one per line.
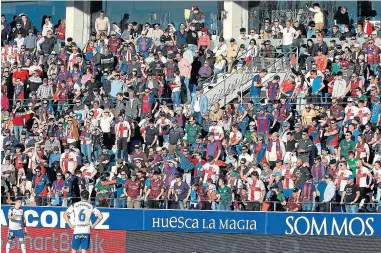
(204,40)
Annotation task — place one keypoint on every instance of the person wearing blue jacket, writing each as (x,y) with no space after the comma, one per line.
(199,105)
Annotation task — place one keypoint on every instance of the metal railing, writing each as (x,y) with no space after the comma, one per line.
(225,73)
(234,205)
(241,77)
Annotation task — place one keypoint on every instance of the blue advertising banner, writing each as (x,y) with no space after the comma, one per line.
(335,224)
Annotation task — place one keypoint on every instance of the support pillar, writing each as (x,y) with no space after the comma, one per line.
(78,20)
(236,17)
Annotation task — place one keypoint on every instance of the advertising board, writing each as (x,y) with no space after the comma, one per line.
(269,223)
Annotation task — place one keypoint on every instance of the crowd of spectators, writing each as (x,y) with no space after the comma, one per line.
(126,116)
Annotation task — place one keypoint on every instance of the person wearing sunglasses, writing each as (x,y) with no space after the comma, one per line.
(40,187)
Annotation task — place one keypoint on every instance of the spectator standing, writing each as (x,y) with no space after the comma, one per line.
(257,192)
(46,44)
(329,195)
(30,42)
(47,26)
(61,31)
(40,187)
(232,53)
(102,24)
(341,18)
(197,18)
(192,38)
(26,23)
(318,16)
(181,192)
(133,191)
(351,196)
(289,33)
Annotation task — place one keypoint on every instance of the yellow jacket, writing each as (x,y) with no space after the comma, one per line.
(232,51)
(319,16)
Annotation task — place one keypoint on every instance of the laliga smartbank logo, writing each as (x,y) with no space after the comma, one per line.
(303,225)
(50,219)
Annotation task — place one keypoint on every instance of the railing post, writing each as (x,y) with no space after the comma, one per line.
(225,91)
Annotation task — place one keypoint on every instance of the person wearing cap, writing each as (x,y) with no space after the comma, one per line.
(351,196)
(133,190)
(138,154)
(114,43)
(25,22)
(134,67)
(18,119)
(55,156)
(175,135)
(19,40)
(204,40)
(30,41)
(187,53)
(197,18)
(221,48)
(155,191)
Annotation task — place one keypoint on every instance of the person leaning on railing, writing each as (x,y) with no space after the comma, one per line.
(294,203)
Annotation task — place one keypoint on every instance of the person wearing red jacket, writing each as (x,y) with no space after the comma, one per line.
(368,28)
(61,31)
